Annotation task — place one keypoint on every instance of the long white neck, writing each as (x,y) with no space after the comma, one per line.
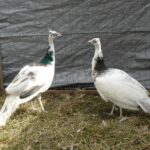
(51,45)
(98,51)
(52,49)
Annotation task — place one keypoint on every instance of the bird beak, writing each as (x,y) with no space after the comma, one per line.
(90,41)
(58,34)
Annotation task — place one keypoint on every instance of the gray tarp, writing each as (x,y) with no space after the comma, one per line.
(122,25)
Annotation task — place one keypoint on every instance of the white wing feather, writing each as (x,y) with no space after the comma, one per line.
(120,88)
(19,82)
(28,78)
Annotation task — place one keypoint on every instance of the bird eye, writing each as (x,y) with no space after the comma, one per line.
(54,34)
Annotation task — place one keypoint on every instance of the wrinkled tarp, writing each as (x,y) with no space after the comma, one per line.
(122,25)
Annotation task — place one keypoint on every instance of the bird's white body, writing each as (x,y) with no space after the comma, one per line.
(31,81)
(117,86)
(35,79)
(121,89)
(43,77)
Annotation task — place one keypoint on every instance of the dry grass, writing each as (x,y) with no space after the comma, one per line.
(75,122)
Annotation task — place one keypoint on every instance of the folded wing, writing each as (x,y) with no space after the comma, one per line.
(25,83)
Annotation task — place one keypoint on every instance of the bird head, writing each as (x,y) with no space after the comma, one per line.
(53,35)
(98,51)
(94,41)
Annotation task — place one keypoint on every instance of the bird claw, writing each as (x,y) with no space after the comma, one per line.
(37,109)
(109,114)
(40,110)
(33,108)
(121,119)
(43,110)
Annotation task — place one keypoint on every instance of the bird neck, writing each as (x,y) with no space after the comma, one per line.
(49,58)
(98,51)
(51,45)
(99,64)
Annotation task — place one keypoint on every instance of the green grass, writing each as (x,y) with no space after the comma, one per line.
(74,122)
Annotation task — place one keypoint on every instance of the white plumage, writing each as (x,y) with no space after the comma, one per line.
(117,86)
(31,81)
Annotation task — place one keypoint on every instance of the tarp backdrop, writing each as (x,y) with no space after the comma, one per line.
(122,25)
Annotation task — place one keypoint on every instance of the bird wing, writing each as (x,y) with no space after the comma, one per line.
(128,80)
(30,91)
(25,81)
(119,87)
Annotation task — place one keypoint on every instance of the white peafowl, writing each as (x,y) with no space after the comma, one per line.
(31,81)
(117,86)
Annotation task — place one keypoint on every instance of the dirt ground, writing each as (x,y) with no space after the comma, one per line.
(74,122)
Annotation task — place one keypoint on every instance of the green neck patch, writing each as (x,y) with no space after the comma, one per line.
(48,58)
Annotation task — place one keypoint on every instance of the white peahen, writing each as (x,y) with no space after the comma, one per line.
(31,81)
(117,86)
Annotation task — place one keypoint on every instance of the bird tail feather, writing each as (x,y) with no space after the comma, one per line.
(9,107)
(145,105)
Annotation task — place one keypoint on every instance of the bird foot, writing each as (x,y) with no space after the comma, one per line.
(39,110)
(35,109)
(43,110)
(121,119)
(109,114)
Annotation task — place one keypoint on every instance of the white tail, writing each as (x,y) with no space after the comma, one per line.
(145,105)
(8,108)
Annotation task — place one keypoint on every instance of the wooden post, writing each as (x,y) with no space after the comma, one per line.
(1,81)
(1,76)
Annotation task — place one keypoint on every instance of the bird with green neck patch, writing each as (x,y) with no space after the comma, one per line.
(50,55)
(117,86)
(30,82)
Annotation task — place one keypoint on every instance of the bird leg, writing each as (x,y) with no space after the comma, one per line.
(112,110)
(41,104)
(121,117)
(32,104)
(121,114)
